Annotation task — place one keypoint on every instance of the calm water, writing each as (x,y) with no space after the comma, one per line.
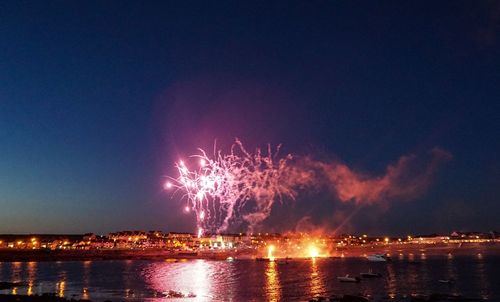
(246,280)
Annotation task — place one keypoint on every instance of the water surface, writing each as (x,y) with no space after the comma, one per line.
(247,280)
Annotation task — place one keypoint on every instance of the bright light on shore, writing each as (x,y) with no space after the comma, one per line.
(313,251)
(270,251)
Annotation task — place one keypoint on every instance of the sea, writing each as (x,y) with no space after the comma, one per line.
(475,276)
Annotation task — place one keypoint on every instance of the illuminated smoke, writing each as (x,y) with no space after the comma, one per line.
(407,178)
(229,189)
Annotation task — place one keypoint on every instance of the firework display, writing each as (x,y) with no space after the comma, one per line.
(235,187)
(226,190)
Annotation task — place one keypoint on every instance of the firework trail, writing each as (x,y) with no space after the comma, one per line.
(220,188)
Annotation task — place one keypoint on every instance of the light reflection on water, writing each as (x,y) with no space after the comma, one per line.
(317,284)
(273,288)
(86,279)
(248,280)
(16,269)
(424,270)
(483,280)
(32,268)
(185,277)
(392,285)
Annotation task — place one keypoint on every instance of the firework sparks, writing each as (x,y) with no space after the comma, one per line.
(218,189)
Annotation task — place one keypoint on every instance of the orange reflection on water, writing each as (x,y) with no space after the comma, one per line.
(86,279)
(413,277)
(61,286)
(317,285)
(392,285)
(273,288)
(32,270)
(85,294)
(29,291)
(16,271)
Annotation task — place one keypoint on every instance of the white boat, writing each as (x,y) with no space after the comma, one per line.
(376,258)
(348,278)
(447,281)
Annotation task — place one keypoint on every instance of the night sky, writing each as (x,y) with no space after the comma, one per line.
(99,99)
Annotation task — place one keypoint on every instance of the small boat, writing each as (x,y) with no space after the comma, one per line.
(262,259)
(370,274)
(447,281)
(376,258)
(348,278)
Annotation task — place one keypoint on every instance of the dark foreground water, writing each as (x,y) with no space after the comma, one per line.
(247,280)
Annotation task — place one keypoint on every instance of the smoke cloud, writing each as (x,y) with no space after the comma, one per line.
(406,179)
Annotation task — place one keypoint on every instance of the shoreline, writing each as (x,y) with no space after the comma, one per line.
(36,298)
(9,255)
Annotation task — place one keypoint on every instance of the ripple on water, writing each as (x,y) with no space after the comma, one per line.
(244,280)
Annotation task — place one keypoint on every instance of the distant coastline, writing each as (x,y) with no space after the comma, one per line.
(20,255)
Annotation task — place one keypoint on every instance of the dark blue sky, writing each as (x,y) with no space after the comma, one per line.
(98,99)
